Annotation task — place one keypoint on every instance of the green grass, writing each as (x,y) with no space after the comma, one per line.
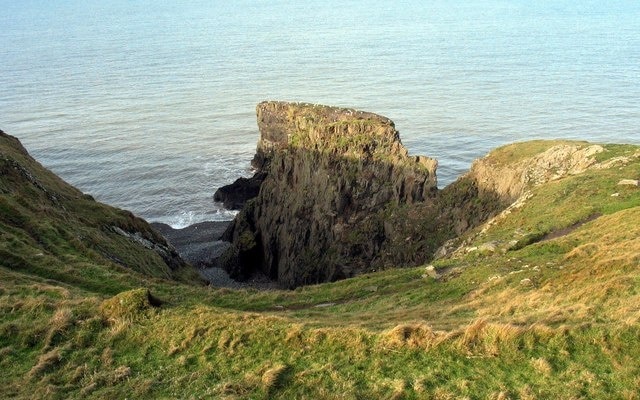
(202,350)
(515,152)
(555,317)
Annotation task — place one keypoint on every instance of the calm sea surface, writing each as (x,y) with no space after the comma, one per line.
(149,105)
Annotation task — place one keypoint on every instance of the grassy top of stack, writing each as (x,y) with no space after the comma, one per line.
(342,132)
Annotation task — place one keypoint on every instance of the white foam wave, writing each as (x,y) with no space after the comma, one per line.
(188,217)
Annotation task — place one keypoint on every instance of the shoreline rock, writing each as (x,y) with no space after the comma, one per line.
(341,196)
(236,195)
(198,244)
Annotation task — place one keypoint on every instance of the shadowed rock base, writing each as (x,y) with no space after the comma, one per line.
(197,244)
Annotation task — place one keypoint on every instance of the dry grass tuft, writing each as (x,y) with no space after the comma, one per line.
(173,349)
(526,393)
(119,327)
(462,385)
(583,251)
(103,377)
(237,341)
(47,289)
(356,339)
(120,374)
(194,333)
(417,335)
(443,394)
(88,389)
(317,336)
(484,338)
(6,351)
(628,394)
(418,386)
(183,360)
(473,333)
(79,373)
(541,365)
(294,334)
(501,395)
(35,304)
(143,387)
(272,378)
(224,340)
(107,357)
(45,363)
(543,331)
(234,389)
(399,386)
(61,320)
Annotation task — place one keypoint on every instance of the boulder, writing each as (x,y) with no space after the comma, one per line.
(235,195)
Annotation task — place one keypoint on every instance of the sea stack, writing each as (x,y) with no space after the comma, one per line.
(331,177)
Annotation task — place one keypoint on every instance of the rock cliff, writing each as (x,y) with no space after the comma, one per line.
(331,176)
(340,195)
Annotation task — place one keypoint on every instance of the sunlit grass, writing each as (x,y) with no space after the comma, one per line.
(556,317)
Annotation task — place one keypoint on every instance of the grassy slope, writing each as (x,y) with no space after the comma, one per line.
(51,229)
(554,318)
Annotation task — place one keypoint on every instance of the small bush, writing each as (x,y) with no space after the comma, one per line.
(129,306)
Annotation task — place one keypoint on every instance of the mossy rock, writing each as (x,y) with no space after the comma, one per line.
(130,306)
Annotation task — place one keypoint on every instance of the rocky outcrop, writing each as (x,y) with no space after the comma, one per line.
(236,195)
(503,181)
(509,170)
(332,177)
(341,195)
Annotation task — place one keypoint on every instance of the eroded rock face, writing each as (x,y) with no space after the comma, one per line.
(510,178)
(332,177)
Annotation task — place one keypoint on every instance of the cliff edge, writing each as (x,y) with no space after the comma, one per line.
(329,174)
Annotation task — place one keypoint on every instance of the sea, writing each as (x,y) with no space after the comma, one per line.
(150,105)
